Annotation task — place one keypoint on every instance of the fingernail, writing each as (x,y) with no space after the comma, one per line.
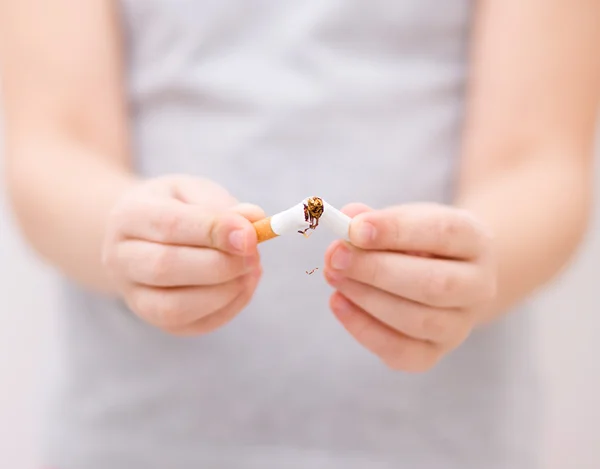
(341,258)
(365,232)
(237,240)
(332,276)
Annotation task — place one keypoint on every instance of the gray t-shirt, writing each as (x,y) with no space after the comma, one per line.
(279,100)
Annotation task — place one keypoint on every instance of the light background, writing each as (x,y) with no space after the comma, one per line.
(568,317)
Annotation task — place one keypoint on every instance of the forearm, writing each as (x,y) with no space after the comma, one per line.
(61,193)
(538,212)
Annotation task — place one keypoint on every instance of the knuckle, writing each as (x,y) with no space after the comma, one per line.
(168,311)
(222,316)
(212,228)
(219,193)
(438,285)
(434,326)
(360,296)
(396,354)
(168,224)
(364,332)
(159,309)
(220,271)
(225,268)
(161,264)
(445,230)
(445,227)
(404,231)
(395,232)
(372,266)
(140,303)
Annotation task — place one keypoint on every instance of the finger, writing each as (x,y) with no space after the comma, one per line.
(435,282)
(442,231)
(165,265)
(223,316)
(194,190)
(445,327)
(397,351)
(355,209)
(178,307)
(249,211)
(173,222)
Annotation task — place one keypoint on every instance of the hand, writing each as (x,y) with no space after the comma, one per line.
(412,282)
(183,253)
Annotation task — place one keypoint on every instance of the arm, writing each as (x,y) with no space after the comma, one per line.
(157,244)
(418,278)
(67,158)
(528,147)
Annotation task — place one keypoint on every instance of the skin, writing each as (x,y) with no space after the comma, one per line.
(168,250)
(156,243)
(410,291)
(427,275)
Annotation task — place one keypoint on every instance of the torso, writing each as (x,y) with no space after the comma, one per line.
(277,101)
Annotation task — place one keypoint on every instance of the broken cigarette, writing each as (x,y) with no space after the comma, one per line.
(303,217)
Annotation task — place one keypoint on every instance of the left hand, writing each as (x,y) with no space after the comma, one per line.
(413,281)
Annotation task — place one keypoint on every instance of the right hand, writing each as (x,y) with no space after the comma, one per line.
(183,253)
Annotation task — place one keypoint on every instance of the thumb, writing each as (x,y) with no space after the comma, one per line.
(355,209)
(200,191)
(249,211)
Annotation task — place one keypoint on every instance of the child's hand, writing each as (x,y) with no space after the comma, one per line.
(183,253)
(411,285)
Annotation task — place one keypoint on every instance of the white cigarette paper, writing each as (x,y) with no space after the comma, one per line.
(290,221)
(293,220)
(336,221)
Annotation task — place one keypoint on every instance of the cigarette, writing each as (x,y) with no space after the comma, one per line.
(336,221)
(294,220)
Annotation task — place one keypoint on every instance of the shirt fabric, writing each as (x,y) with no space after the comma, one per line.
(352,101)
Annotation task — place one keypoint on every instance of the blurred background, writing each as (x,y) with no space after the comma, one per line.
(568,316)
